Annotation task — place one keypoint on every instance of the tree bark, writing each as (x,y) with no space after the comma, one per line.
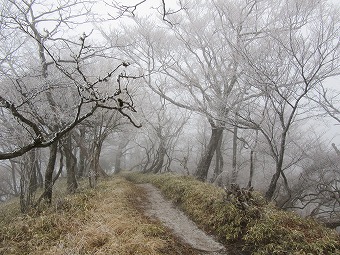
(234,162)
(49,172)
(14,179)
(28,182)
(251,169)
(96,170)
(218,159)
(30,168)
(160,160)
(40,178)
(279,163)
(272,186)
(118,167)
(120,151)
(205,161)
(82,153)
(71,162)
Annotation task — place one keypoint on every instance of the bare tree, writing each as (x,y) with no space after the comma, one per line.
(87,89)
(121,151)
(199,70)
(131,9)
(103,125)
(34,98)
(316,191)
(162,131)
(286,68)
(328,100)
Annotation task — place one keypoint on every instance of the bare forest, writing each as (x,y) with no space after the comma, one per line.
(241,93)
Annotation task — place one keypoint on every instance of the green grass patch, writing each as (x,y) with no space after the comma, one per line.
(257,228)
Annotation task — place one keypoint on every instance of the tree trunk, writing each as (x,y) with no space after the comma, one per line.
(48,192)
(82,153)
(14,179)
(49,172)
(234,172)
(251,169)
(96,170)
(120,151)
(39,176)
(272,186)
(205,161)
(118,167)
(279,163)
(71,162)
(160,160)
(33,180)
(28,182)
(218,158)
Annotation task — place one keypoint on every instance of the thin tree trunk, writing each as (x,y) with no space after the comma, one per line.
(82,153)
(120,151)
(160,160)
(279,163)
(218,159)
(39,176)
(252,159)
(96,170)
(205,161)
(49,172)
(71,162)
(234,172)
(118,167)
(55,178)
(272,186)
(28,182)
(14,179)
(33,180)
(251,169)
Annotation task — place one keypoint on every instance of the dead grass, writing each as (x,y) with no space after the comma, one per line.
(259,228)
(107,220)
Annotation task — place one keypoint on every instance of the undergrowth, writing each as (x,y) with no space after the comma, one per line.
(258,228)
(105,220)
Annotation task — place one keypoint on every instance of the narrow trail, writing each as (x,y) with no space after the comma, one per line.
(184,228)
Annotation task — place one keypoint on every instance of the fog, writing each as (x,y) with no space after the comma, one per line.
(231,92)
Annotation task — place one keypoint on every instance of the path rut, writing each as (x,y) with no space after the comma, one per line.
(164,210)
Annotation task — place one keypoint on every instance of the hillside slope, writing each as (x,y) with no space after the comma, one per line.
(111,219)
(244,222)
(105,220)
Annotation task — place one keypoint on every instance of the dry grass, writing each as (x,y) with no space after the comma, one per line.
(107,220)
(258,229)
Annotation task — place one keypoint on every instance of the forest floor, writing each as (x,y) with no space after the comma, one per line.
(121,217)
(182,227)
(118,217)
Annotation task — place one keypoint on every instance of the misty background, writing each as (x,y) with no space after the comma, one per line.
(232,92)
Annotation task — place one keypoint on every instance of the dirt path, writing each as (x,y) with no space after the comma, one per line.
(164,210)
